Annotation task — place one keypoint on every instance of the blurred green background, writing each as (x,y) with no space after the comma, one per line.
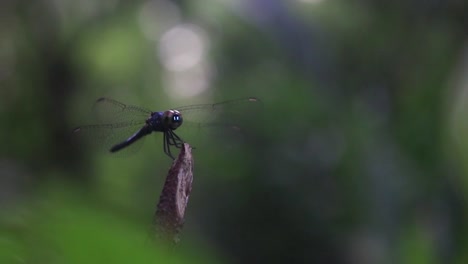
(359,154)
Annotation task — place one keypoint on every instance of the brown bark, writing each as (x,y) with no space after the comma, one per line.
(169,217)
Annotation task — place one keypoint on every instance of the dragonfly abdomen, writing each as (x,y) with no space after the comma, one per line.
(142,132)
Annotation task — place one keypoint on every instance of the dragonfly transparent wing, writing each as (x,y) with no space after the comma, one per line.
(229,119)
(108,111)
(116,122)
(105,136)
(228,113)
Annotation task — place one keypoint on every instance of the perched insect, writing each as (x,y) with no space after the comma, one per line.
(122,125)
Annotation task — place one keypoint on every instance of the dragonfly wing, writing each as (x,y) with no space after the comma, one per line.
(220,114)
(228,119)
(108,111)
(105,136)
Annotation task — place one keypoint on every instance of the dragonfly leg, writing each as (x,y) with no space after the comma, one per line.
(175,140)
(167,147)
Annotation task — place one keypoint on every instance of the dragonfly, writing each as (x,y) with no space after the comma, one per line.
(121,126)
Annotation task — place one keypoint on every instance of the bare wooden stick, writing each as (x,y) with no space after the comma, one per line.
(169,217)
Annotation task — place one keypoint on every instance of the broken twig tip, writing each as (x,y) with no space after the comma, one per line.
(169,217)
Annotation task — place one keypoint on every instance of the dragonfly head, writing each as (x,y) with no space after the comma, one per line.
(172,119)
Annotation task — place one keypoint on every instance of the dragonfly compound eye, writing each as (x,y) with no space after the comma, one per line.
(173,119)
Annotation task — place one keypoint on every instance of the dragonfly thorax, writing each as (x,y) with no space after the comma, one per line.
(172,119)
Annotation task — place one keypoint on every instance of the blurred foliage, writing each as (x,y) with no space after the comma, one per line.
(358,156)
(66,226)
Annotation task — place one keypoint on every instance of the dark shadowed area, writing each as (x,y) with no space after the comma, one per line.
(354,150)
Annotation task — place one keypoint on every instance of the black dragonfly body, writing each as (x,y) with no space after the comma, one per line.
(122,125)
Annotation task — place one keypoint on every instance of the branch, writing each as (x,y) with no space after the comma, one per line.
(169,217)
